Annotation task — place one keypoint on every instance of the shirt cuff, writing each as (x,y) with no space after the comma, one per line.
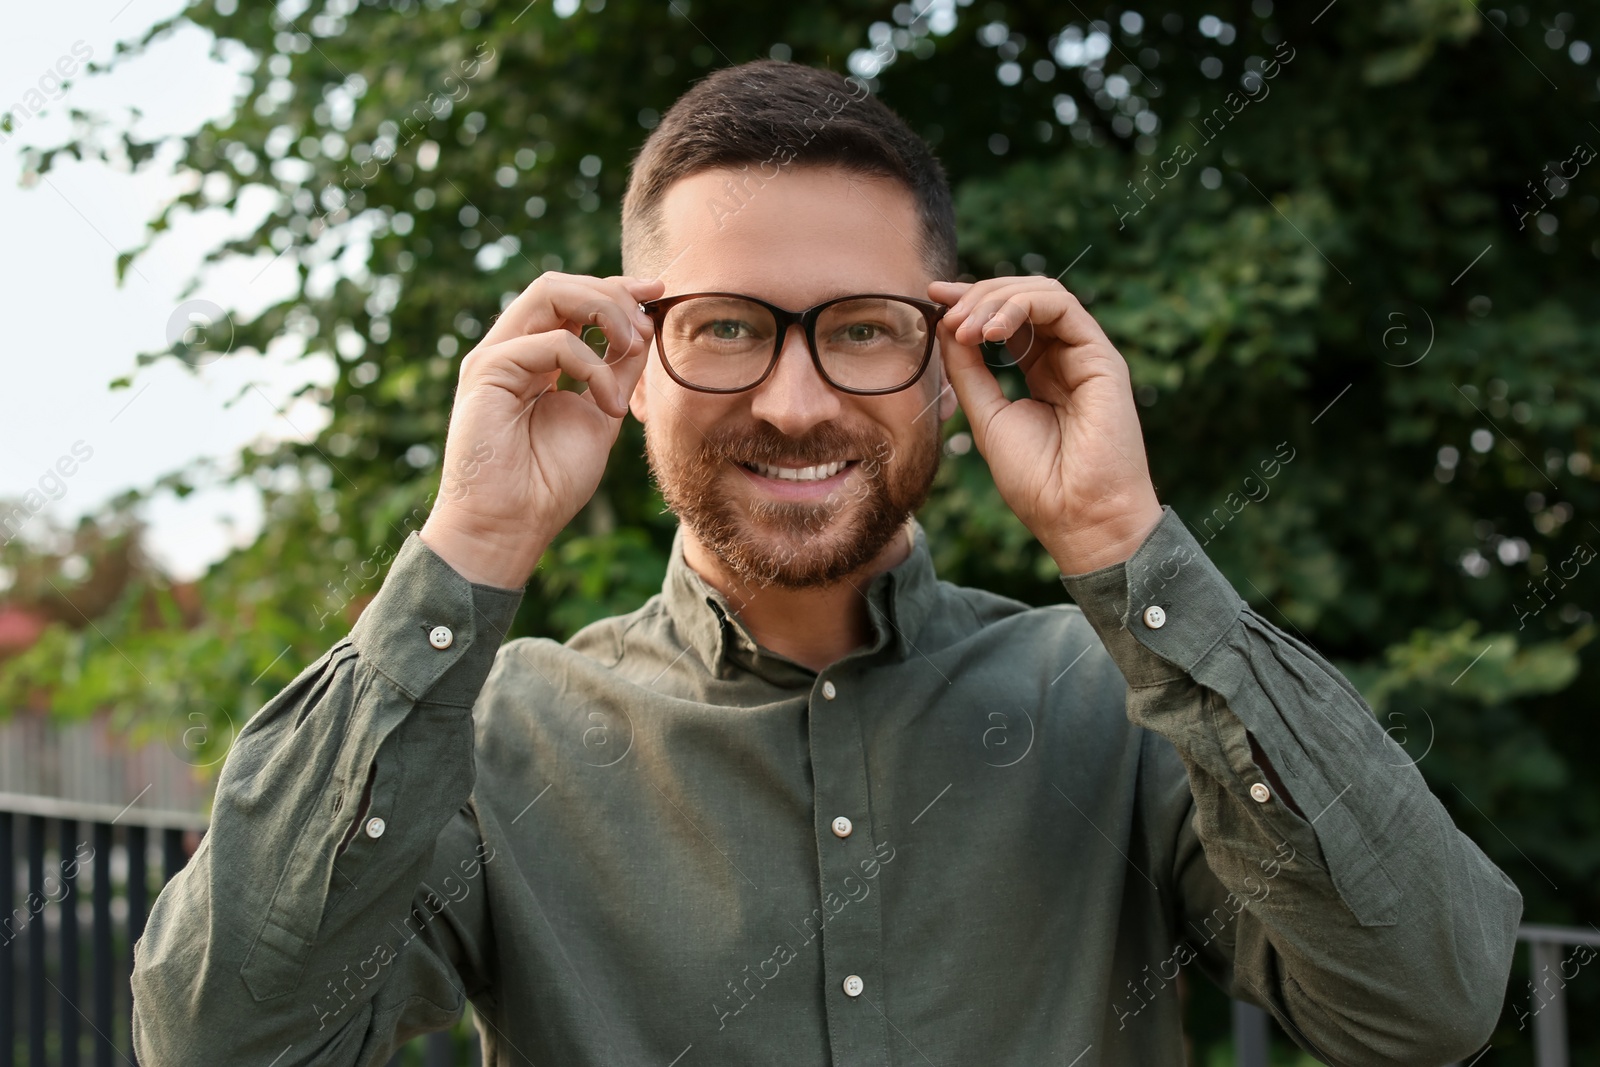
(430,631)
(1162,609)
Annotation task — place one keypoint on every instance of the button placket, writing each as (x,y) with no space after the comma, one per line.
(848,899)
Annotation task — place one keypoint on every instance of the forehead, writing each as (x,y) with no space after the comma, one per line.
(792,235)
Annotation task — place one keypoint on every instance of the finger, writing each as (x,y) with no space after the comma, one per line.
(630,292)
(997,313)
(947,292)
(1006,319)
(641,289)
(571,301)
(976,388)
(976,293)
(587,304)
(1048,304)
(530,364)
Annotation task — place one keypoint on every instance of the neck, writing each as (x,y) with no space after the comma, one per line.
(814,626)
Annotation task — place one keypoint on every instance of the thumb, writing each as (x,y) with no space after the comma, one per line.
(977,391)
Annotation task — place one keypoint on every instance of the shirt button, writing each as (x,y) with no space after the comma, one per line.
(853,986)
(1260,793)
(842,827)
(1154,617)
(440,637)
(375,827)
(829,690)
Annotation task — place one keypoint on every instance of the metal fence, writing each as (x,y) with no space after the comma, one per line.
(76,881)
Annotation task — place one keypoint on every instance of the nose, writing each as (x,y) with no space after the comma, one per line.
(794,397)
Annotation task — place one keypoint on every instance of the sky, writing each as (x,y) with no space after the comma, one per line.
(73,329)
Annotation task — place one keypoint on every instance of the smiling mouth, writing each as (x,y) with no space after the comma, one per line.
(816,473)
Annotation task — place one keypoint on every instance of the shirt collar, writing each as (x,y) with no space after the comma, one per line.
(899,598)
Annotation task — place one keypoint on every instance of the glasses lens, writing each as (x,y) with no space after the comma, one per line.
(718,342)
(872,342)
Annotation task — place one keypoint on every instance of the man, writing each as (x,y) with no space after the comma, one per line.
(810,804)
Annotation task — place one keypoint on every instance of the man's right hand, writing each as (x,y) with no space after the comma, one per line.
(522,457)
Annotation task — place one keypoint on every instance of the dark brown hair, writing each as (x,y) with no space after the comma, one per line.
(762,116)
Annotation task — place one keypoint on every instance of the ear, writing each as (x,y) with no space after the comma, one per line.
(947,395)
(636,399)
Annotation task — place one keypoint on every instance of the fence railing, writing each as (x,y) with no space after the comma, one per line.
(76,882)
(64,849)
(75,890)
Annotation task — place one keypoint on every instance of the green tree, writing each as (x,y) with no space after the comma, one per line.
(1348,253)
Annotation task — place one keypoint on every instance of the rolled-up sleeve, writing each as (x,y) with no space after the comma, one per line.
(290,937)
(1371,928)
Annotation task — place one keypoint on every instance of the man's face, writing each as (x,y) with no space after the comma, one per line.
(805,236)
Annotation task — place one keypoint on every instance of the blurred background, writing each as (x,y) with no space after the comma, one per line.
(1349,251)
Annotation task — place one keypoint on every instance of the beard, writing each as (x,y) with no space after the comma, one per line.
(794,544)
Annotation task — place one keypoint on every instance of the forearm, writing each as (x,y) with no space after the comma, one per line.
(294,885)
(1373,928)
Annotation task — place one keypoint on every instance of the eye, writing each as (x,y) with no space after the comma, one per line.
(727,329)
(863,332)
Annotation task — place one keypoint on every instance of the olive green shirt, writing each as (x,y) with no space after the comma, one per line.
(993,835)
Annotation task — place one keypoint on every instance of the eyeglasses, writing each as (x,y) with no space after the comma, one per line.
(726,343)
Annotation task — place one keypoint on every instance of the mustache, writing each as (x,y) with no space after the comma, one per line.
(765,443)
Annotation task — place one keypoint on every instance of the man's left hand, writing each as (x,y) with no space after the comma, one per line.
(1069,460)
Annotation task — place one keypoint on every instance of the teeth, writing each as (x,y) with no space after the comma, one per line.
(799,474)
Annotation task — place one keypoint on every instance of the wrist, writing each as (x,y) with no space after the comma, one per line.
(1092,546)
(484,558)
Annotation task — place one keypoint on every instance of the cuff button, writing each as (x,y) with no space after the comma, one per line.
(441,638)
(1154,617)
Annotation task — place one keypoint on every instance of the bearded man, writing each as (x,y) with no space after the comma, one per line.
(811,804)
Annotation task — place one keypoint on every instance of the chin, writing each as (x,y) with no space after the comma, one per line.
(798,547)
